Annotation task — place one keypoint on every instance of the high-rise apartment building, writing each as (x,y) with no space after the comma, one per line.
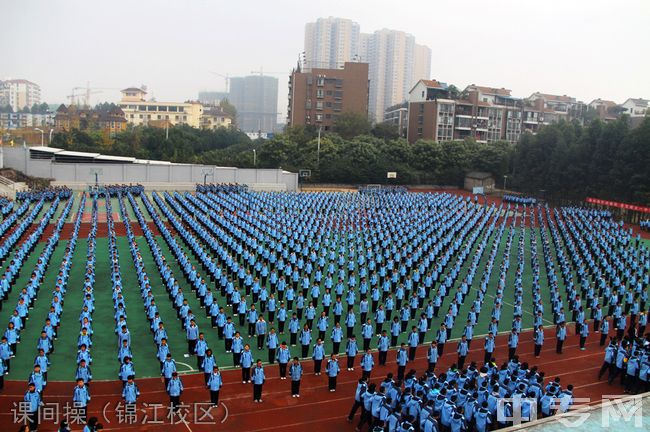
(395,61)
(19,93)
(330,42)
(256,100)
(396,64)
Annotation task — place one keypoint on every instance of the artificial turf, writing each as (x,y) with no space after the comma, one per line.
(104,350)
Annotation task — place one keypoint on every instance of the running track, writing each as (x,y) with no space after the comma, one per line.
(317,409)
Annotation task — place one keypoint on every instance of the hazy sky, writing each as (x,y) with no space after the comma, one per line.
(583,48)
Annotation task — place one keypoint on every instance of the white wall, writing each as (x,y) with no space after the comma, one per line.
(163,176)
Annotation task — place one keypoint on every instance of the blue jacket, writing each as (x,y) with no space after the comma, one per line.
(130,392)
(333,368)
(215,382)
(258,375)
(295,371)
(246,359)
(175,387)
(81,395)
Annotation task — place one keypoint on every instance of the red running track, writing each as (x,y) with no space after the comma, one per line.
(317,409)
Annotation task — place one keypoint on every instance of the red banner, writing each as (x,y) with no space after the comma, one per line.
(617,204)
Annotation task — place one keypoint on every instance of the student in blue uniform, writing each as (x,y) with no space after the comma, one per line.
(246,363)
(130,392)
(295,372)
(413,340)
(539,340)
(513,342)
(283,356)
(318,356)
(489,346)
(214,384)
(80,399)
(402,359)
(367,364)
(462,351)
(175,390)
(258,381)
(561,334)
(332,370)
(34,402)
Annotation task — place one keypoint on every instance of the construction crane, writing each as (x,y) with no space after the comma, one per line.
(262,72)
(86,93)
(226,77)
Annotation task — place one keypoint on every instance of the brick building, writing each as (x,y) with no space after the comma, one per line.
(319,96)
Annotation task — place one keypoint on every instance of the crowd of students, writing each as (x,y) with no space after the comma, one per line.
(477,398)
(383,189)
(117,189)
(48,193)
(6,206)
(628,359)
(221,187)
(645,225)
(519,199)
(316,265)
(37,380)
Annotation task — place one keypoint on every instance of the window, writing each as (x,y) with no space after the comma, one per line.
(184,118)
(176,118)
(142,108)
(321,81)
(319,117)
(140,116)
(181,109)
(319,93)
(319,105)
(328,104)
(152,108)
(173,109)
(328,116)
(328,92)
(159,117)
(162,108)
(339,83)
(338,94)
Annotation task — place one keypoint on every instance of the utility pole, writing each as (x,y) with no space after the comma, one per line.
(318,148)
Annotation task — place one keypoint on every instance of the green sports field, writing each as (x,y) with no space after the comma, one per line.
(104,351)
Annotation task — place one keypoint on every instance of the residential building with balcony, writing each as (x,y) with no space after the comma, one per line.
(17,120)
(215,118)
(139,111)
(605,110)
(71,117)
(398,115)
(635,107)
(318,96)
(19,93)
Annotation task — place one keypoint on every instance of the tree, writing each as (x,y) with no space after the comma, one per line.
(386,131)
(454,92)
(349,125)
(229,109)
(106,107)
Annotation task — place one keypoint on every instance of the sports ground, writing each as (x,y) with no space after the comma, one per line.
(317,409)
